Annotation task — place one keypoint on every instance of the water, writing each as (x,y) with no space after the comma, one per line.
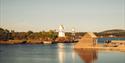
(56,53)
(26,53)
(102,40)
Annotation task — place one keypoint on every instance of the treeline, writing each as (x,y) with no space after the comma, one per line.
(119,34)
(48,35)
(113,33)
(30,35)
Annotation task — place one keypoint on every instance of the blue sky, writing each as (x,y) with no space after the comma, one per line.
(83,15)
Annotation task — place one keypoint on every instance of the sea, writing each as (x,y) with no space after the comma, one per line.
(56,53)
(102,40)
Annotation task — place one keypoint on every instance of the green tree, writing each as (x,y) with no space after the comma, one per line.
(52,34)
(4,34)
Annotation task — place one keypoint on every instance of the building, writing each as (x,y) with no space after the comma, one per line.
(61,32)
(88,40)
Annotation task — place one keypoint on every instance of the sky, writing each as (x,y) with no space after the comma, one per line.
(82,15)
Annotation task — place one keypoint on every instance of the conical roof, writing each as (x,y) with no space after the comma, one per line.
(91,34)
(88,40)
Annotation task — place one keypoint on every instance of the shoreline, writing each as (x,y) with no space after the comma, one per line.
(21,42)
(31,42)
(120,48)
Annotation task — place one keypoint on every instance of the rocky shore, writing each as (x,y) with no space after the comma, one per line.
(21,42)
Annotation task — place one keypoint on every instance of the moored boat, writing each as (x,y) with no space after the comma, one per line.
(47,42)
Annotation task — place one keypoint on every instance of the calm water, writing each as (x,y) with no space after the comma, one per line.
(102,40)
(56,53)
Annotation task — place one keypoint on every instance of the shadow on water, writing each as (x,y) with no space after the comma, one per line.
(87,55)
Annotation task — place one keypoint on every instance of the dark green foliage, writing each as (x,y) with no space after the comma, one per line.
(7,35)
(114,32)
(4,34)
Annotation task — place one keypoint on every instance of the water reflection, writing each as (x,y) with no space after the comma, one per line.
(73,56)
(61,53)
(65,53)
(87,55)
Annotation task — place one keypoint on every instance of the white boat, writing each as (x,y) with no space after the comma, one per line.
(47,42)
(60,45)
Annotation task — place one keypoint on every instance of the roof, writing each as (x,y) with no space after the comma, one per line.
(92,34)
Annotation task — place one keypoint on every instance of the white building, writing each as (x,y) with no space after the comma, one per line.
(61,32)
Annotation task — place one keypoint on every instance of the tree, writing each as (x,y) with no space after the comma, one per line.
(4,34)
(29,33)
(52,34)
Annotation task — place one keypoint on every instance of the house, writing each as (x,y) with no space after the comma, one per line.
(88,40)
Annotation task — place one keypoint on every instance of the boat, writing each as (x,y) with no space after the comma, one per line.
(47,42)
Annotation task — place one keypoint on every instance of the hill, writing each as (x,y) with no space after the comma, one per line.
(113,31)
